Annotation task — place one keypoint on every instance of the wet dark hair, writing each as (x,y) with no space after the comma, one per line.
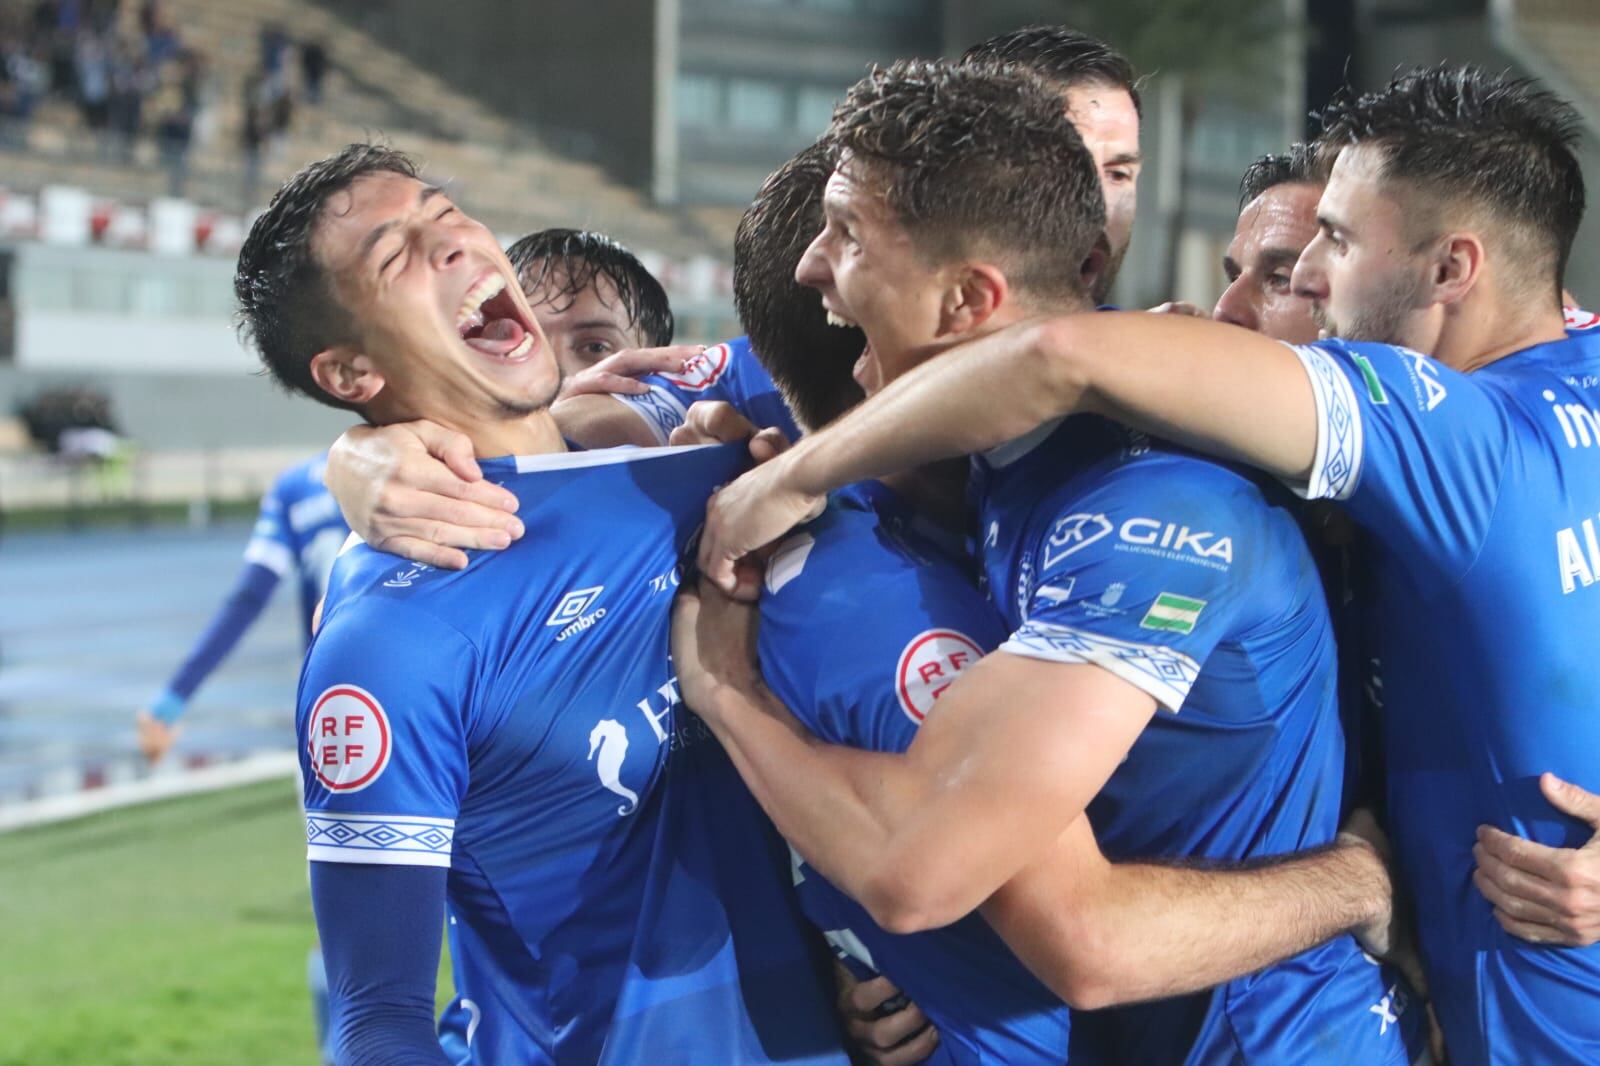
(1066,57)
(287,305)
(1296,166)
(970,156)
(565,262)
(1462,137)
(809,360)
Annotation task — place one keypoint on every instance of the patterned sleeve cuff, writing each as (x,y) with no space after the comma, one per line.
(1337,463)
(660,409)
(379,839)
(1160,672)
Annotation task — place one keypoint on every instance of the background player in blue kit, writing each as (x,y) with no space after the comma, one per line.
(1445,226)
(988,221)
(502,739)
(299,531)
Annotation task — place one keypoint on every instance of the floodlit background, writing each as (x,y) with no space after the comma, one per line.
(161,916)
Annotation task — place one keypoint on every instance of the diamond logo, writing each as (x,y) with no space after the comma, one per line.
(573,605)
(1072,534)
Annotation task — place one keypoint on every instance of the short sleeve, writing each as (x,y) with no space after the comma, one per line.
(895,671)
(728,373)
(381,726)
(271,543)
(1144,575)
(1415,450)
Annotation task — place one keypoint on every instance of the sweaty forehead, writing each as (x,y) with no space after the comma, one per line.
(1104,115)
(351,213)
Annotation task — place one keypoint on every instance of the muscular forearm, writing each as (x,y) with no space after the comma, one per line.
(826,800)
(1218,388)
(1120,933)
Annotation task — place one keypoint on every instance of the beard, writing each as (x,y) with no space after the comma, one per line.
(1381,321)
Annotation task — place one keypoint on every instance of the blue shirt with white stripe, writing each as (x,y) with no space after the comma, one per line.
(729,372)
(617,893)
(1481,494)
(1189,580)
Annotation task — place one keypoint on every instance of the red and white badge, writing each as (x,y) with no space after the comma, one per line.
(929,665)
(1578,318)
(349,740)
(703,370)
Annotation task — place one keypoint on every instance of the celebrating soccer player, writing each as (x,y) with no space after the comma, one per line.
(1445,227)
(497,740)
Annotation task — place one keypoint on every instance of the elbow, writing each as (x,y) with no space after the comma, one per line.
(1085,969)
(1057,345)
(903,899)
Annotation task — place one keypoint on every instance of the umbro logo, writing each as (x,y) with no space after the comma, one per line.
(570,611)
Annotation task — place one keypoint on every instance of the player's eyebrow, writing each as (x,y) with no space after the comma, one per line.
(598,323)
(370,241)
(1125,159)
(1281,256)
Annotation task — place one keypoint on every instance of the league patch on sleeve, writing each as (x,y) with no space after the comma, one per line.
(1577,318)
(929,665)
(702,371)
(349,739)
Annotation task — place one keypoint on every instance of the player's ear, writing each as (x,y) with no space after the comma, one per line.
(346,374)
(1456,267)
(1095,263)
(976,293)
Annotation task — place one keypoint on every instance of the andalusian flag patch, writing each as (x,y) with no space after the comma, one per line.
(1173,613)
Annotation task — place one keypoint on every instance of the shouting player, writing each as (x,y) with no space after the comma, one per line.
(1445,227)
(1188,683)
(498,739)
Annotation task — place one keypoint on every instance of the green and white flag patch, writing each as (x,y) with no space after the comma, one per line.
(1173,613)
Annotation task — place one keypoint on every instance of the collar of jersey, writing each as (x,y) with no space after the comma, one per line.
(1013,450)
(573,460)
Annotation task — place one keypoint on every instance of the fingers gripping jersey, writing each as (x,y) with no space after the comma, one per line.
(299,530)
(513,722)
(1481,495)
(1183,578)
(729,372)
(925,622)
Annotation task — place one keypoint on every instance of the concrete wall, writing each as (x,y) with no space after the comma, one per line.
(579,73)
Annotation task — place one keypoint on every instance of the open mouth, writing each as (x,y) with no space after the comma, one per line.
(836,319)
(490,322)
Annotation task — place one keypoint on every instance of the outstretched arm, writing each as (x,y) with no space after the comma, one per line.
(1100,934)
(921,843)
(1218,388)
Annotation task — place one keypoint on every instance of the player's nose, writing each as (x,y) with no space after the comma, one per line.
(1234,306)
(812,270)
(1310,278)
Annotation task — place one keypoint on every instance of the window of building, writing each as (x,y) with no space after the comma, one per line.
(699,100)
(755,104)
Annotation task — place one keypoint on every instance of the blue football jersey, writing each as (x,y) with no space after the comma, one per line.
(871,569)
(729,372)
(518,723)
(1190,581)
(1481,497)
(299,531)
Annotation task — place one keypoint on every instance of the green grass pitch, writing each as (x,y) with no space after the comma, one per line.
(172,933)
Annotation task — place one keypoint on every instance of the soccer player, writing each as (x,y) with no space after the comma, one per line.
(1277,219)
(1101,94)
(1445,227)
(592,296)
(949,220)
(499,738)
(299,529)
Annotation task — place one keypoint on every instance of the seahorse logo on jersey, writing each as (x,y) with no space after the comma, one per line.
(610,741)
(350,741)
(702,371)
(929,665)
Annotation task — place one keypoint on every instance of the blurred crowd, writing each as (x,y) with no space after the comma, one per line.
(127,68)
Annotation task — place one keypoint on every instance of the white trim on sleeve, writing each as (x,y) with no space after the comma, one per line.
(1336,467)
(1164,674)
(659,408)
(270,554)
(379,839)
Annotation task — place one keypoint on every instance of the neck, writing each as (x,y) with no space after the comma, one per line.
(1469,342)
(534,434)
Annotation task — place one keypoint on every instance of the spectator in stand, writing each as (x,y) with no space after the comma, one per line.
(176,106)
(92,62)
(313,68)
(130,81)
